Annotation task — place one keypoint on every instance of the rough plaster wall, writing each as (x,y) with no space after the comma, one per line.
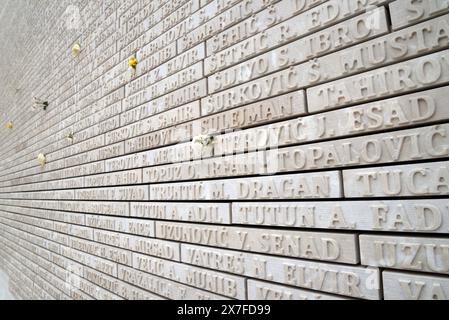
(327,177)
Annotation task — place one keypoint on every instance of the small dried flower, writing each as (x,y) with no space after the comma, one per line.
(205,140)
(38,103)
(9,126)
(70,137)
(42,159)
(133,63)
(76,49)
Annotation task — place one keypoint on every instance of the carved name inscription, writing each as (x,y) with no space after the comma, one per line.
(173,66)
(405,12)
(429,179)
(239,165)
(269,110)
(381,83)
(259,22)
(258,290)
(207,26)
(153,247)
(171,154)
(113,179)
(213,281)
(399,78)
(415,144)
(408,110)
(308,23)
(192,212)
(164,287)
(389,216)
(173,99)
(105,208)
(307,245)
(225,149)
(138,227)
(313,186)
(408,286)
(335,279)
(134,193)
(163,120)
(406,253)
(287,56)
(165,86)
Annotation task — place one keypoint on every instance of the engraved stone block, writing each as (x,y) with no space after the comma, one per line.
(215,282)
(420,73)
(428,216)
(315,44)
(298,244)
(406,253)
(164,287)
(406,145)
(259,22)
(356,282)
(406,12)
(112,179)
(278,108)
(423,107)
(409,286)
(258,290)
(218,213)
(134,193)
(288,55)
(426,179)
(301,186)
(138,227)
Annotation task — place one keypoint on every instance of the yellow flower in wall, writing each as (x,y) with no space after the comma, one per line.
(76,49)
(42,159)
(133,63)
(9,126)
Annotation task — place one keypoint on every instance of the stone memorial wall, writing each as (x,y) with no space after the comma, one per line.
(225,149)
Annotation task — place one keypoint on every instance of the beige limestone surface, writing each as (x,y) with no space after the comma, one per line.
(258,150)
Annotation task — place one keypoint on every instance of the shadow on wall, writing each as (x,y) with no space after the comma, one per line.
(4,287)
